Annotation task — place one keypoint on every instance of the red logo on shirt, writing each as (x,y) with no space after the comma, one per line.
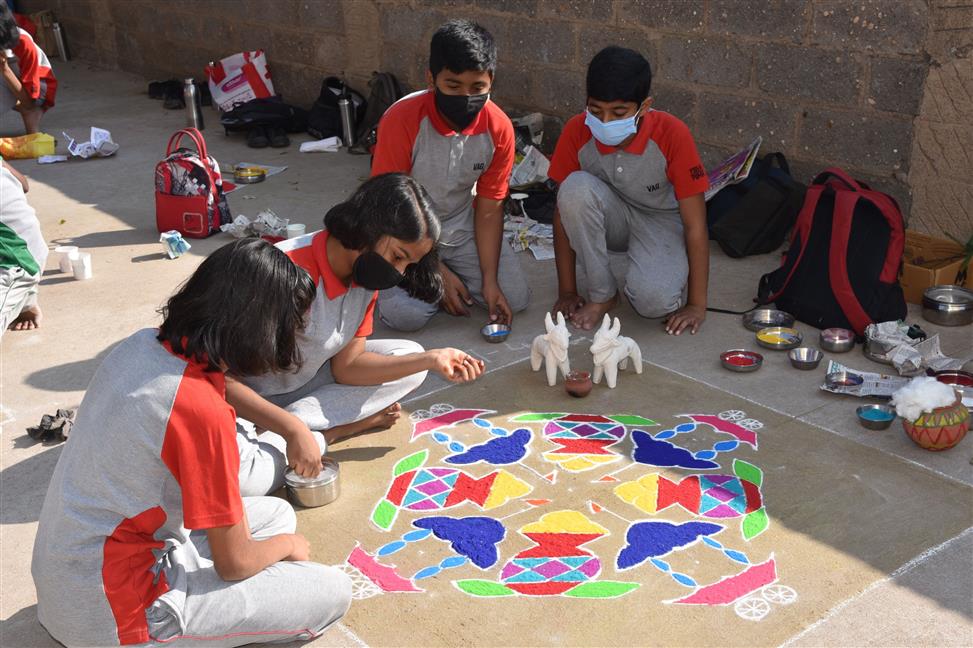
(697,172)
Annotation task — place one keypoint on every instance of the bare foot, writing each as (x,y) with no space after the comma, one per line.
(590,315)
(29,319)
(381,421)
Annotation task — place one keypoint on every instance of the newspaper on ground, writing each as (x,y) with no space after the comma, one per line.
(533,168)
(733,169)
(873,384)
(890,342)
(267,223)
(524,233)
(100,144)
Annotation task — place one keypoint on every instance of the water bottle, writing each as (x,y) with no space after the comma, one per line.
(194,114)
(346,108)
(62,51)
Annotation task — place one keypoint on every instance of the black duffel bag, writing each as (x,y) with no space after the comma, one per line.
(270,112)
(754,216)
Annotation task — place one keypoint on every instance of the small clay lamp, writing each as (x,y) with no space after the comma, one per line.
(578,383)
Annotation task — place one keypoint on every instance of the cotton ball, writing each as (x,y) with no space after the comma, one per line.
(922,395)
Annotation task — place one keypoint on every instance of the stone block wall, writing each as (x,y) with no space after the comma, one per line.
(879,87)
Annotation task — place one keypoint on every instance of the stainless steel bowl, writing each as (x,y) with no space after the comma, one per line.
(805,358)
(948,305)
(741,360)
(837,340)
(780,338)
(321,490)
(876,351)
(495,333)
(843,379)
(875,417)
(764,317)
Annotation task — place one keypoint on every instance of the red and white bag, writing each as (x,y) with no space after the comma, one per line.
(189,194)
(238,79)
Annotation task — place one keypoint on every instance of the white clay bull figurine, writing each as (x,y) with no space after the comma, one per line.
(611,351)
(552,349)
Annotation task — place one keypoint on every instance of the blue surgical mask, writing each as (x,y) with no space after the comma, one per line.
(614,132)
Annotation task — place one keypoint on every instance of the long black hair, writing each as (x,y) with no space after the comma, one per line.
(392,204)
(241,310)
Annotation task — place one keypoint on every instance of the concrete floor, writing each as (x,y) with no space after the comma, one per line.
(106,207)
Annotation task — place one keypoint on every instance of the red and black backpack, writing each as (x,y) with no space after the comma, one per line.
(841,268)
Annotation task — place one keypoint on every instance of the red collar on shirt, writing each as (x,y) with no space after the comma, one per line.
(478,125)
(638,144)
(314,259)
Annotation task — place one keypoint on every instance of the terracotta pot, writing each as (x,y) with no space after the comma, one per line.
(941,428)
(578,383)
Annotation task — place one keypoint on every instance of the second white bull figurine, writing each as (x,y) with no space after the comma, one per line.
(552,348)
(611,352)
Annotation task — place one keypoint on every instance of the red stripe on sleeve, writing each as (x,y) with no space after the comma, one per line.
(397,133)
(565,159)
(494,182)
(368,321)
(201,451)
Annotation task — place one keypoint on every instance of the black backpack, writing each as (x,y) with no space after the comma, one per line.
(841,268)
(269,112)
(324,118)
(384,90)
(754,216)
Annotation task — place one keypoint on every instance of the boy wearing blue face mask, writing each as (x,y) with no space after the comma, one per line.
(630,180)
(453,139)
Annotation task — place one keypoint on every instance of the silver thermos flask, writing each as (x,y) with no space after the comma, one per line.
(194,114)
(62,51)
(346,108)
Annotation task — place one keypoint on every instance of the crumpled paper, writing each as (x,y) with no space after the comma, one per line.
(174,244)
(909,356)
(267,223)
(326,145)
(100,144)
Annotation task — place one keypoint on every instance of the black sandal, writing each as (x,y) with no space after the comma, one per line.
(278,138)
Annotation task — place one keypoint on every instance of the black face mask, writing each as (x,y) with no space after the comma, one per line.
(460,109)
(373,272)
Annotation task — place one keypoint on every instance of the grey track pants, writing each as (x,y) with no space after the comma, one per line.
(597,220)
(322,404)
(288,601)
(403,313)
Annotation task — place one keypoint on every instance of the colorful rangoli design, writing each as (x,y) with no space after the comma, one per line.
(563,559)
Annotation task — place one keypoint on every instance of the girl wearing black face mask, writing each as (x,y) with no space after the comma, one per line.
(384,235)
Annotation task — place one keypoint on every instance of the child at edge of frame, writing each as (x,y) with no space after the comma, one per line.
(630,179)
(144,537)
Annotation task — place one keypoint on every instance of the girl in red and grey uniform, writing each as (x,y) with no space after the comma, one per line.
(28,85)
(383,236)
(153,457)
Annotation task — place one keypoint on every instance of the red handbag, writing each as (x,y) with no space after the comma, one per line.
(189,194)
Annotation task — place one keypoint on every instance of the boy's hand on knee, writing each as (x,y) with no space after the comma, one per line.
(456,297)
(688,317)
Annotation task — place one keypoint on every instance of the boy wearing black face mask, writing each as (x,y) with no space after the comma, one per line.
(630,180)
(452,139)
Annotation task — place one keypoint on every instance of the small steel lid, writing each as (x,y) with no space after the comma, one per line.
(329,473)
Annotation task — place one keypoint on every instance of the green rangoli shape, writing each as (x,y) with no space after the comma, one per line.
(533,418)
(755,523)
(631,419)
(384,514)
(484,588)
(408,463)
(748,472)
(602,589)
